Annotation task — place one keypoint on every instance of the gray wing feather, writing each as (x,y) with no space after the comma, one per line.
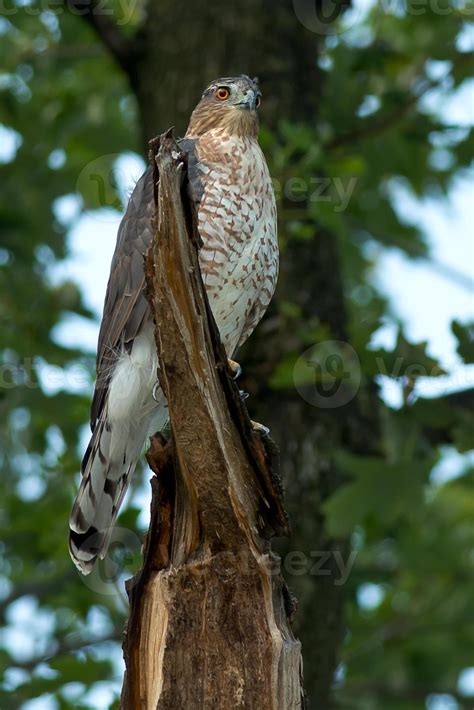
(115,446)
(126,307)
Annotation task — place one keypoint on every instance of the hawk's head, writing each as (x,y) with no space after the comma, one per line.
(230,103)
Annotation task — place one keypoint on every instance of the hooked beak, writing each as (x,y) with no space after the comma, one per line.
(251,100)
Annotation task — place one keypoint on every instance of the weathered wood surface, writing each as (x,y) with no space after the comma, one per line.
(209,623)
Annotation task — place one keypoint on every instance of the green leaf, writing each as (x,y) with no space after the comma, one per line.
(464,334)
(379,491)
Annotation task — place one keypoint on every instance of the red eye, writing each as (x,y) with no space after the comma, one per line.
(222,93)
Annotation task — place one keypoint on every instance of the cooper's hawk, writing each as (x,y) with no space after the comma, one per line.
(230,182)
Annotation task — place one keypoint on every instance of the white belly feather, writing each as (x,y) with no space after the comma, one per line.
(237,223)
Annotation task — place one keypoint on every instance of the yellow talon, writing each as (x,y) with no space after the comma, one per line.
(261,428)
(235,369)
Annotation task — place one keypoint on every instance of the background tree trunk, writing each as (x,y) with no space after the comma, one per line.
(181,52)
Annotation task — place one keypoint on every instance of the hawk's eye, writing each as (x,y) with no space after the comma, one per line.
(222,93)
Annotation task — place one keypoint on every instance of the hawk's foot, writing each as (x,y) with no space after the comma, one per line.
(234,367)
(243,395)
(261,428)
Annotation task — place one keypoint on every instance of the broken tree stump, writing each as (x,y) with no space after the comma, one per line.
(209,623)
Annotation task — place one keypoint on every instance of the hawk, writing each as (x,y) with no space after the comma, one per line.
(231,186)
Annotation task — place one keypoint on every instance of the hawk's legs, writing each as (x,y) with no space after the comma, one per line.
(236,371)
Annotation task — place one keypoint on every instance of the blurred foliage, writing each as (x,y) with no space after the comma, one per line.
(65,104)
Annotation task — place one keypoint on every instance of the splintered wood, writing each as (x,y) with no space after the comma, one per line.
(209,623)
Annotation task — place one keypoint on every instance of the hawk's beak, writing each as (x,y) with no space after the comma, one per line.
(251,100)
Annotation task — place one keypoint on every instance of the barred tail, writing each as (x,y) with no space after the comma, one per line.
(107,468)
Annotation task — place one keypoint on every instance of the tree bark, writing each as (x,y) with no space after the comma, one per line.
(209,623)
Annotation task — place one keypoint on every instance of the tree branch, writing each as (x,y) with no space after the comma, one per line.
(441,430)
(375,126)
(124,50)
(76,643)
(38,588)
(209,611)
